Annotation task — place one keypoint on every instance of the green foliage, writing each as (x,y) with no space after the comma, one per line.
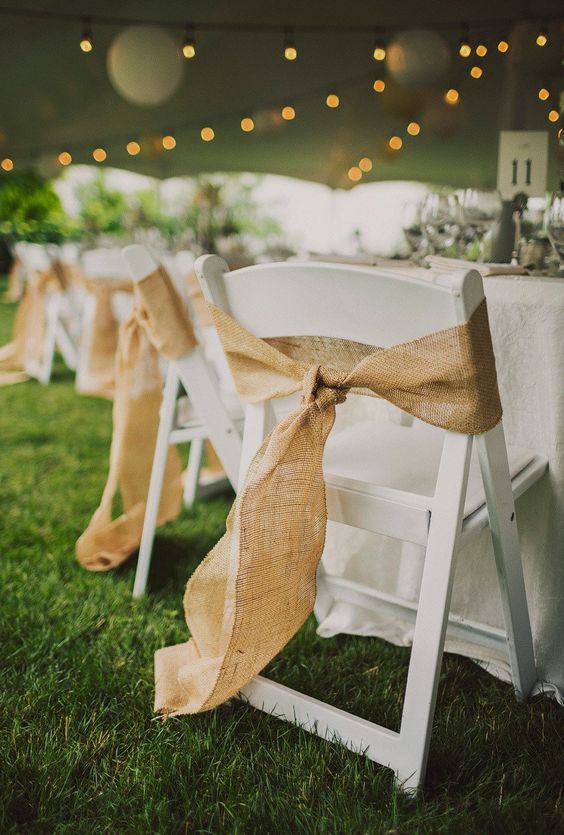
(102,209)
(81,752)
(30,209)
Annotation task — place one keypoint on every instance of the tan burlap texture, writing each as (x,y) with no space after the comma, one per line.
(158,323)
(15,288)
(257,586)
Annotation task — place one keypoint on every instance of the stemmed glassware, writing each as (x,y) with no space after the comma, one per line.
(554,221)
(442,220)
(482,210)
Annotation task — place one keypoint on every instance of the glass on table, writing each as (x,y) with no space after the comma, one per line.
(442,220)
(555,227)
(482,210)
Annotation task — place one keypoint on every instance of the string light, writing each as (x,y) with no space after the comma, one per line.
(414,128)
(379,50)
(290,48)
(481,50)
(7,164)
(99,154)
(207,134)
(169,142)
(395,143)
(86,41)
(543,94)
(288,113)
(247,124)
(452,96)
(476,72)
(64,158)
(332,100)
(365,164)
(379,85)
(503,45)
(542,37)
(553,116)
(354,174)
(189,43)
(464,48)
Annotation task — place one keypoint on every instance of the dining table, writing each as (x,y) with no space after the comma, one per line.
(526,316)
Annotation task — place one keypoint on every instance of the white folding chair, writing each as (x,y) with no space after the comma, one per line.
(208,418)
(364,490)
(61,330)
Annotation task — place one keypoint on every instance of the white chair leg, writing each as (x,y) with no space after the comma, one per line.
(492,453)
(192,474)
(433,609)
(68,349)
(155,485)
(49,342)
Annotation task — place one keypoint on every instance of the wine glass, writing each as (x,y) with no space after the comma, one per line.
(442,220)
(555,227)
(482,209)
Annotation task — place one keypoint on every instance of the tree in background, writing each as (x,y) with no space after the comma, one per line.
(103,210)
(30,210)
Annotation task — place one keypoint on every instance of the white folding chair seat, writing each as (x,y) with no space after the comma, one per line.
(420,485)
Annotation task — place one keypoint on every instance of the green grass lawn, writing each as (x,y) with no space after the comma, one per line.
(80,751)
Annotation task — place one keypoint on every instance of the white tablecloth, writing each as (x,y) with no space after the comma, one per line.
(527,321)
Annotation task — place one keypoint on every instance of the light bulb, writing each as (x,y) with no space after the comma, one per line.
(503,45)
(543,94)
(332,100)
(64,158)
(395,143)
(99,154)
(189,43)
(7,164)
(379,85)
(133,148)
(553,116)
(464,48)
(452,96)
(86,41)
(379,52)
(354,173)
(169,142)
(542,38)
(481,50)
(365,164)
(414,128)
(288,113)
(290,49)
(476,72)
(247,124)
(207,134)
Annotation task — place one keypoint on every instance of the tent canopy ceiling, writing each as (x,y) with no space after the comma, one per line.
(57,98)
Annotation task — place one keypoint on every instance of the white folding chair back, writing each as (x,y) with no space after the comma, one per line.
(211,419)
(383,308)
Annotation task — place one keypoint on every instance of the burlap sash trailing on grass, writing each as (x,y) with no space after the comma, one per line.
(26,348)
(158,324)
(257,586)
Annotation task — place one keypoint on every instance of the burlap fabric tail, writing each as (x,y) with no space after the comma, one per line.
(257,586)
(158,323)
(26,348)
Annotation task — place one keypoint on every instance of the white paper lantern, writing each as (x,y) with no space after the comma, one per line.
(418,57)
(144,65)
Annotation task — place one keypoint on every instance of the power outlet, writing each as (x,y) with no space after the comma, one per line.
(522,163)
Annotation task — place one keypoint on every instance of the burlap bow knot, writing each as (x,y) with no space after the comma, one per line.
(257,586)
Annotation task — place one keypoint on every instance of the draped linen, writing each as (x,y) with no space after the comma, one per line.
(158,323)
(257,586)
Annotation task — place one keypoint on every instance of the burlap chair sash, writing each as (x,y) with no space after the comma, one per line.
(257,586)
(157,323)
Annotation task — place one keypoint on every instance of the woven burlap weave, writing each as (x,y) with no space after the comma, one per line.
(158,323)
(257,586)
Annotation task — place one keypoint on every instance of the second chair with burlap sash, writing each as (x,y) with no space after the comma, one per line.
(313,327)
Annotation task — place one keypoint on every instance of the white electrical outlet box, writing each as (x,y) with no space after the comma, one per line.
(522,163)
